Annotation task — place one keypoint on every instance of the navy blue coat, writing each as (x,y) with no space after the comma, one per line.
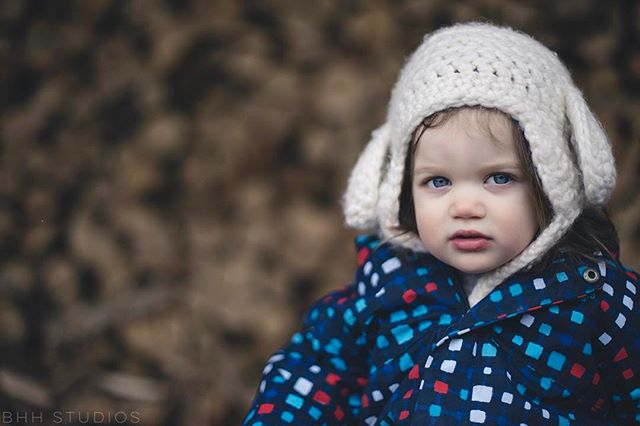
(400,346)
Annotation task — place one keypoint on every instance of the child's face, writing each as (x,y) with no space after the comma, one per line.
(472,201)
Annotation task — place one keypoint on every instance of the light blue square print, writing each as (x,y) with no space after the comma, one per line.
(556,360)
(533,350)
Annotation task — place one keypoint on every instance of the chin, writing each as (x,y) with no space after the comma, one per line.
(479,269)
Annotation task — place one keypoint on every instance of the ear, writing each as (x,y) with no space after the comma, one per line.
(593,150)
(361,197)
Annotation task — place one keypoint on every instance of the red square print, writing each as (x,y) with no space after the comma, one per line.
(627,374)
(577,370)
(265,409)
(622,354)
(364,400)
(321,397)
(332,379)
(409,296)
(339,413)
(362,256)
(440,387)
(413,374)
(431,287)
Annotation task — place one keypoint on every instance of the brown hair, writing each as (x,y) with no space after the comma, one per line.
(592,230)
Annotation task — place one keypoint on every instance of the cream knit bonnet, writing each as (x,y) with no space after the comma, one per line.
(479,64)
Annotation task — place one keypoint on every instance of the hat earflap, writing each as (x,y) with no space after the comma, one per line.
(361,197)
(592,148)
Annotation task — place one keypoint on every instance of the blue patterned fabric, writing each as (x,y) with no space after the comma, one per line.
(399,346)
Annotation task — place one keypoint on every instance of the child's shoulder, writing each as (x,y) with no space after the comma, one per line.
(376,257)
(386,270)
(372,248)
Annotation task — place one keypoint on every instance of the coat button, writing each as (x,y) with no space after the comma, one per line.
(590,275)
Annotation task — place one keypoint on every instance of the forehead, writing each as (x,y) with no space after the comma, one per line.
(488,129)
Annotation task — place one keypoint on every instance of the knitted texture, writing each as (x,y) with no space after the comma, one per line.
(479,64)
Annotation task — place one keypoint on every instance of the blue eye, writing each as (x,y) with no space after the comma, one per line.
(499,179)
(438,182)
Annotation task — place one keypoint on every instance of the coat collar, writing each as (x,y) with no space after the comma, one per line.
(528,291)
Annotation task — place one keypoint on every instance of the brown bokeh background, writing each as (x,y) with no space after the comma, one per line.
(171,174)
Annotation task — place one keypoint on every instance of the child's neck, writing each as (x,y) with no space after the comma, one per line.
(469,281)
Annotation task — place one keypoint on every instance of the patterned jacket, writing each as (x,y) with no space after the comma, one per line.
(400,346)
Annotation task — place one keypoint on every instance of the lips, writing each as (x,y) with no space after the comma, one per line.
(469,240)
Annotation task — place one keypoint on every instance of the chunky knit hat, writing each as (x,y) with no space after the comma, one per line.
(479,64)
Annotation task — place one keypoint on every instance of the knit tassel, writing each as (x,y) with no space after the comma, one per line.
(361,197)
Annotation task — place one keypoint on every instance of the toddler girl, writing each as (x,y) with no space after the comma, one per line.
(491,291)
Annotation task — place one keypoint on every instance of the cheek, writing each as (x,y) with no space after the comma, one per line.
(523,221)
(429,223)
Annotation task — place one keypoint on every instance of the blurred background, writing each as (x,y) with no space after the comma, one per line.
(171,174)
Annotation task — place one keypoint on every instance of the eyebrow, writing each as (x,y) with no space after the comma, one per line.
(427,169)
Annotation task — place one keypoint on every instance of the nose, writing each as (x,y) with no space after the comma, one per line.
(467,206)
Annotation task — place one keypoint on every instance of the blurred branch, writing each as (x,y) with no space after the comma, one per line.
(84,321)
(24,389)
(132,388)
